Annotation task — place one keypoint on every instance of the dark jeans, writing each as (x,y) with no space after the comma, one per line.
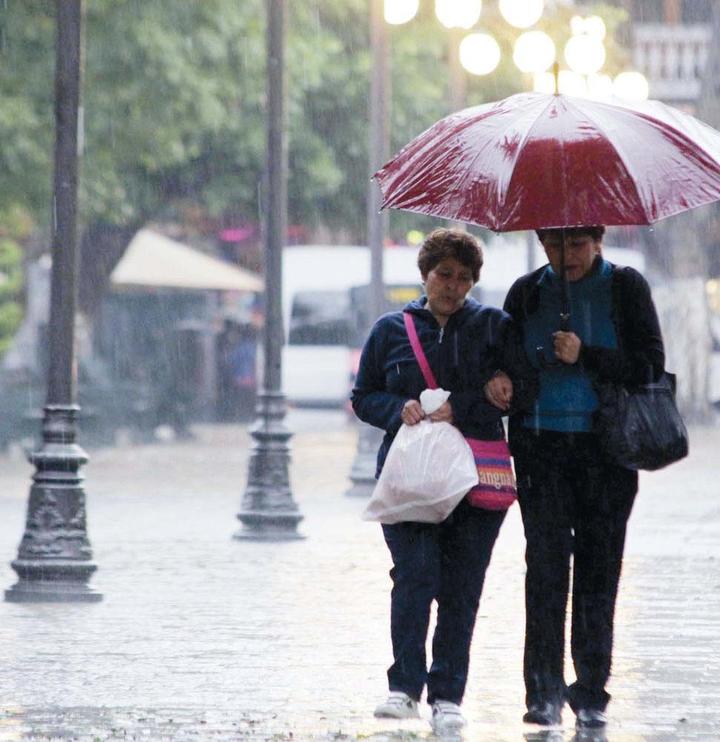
(445,562)
(572,503)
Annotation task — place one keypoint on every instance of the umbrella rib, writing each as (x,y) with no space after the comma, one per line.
(621,156)
(708,158)
(518,152)
(462,180)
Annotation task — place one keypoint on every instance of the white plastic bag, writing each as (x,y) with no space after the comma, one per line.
(428,470)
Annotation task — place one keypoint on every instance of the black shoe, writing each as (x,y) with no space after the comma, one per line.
(547,714)
(590,719)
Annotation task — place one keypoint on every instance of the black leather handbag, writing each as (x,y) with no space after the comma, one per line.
(641,427)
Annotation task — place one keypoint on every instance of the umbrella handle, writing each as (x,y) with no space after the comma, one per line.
(564,290)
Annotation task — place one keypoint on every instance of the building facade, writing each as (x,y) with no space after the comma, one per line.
(671,43)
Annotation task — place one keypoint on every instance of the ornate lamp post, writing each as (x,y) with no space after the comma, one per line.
(362,472)
(54,560)
(457,16)
(268,511)
(454,14)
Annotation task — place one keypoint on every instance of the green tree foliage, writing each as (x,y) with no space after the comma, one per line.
(15,225)
(173,99)
(26,113)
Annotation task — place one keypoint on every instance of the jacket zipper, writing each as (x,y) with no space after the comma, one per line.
(442,333)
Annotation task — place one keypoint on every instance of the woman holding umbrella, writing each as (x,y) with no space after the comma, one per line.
(572,500)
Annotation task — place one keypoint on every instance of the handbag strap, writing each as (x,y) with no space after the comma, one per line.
(418,351)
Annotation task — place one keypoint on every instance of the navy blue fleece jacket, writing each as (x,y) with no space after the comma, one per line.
(476,341)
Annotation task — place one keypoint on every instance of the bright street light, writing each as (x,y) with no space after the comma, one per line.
(479,53)
(572,83)
(458,13)
(593,26)
(599,87)
(534,51)
(398,12)
(631,86)
(569,83)
(521,13)
(585,54)
(544,82)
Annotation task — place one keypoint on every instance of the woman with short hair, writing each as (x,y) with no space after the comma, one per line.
(465,344)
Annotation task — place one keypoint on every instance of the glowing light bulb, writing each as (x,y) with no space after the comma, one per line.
(631,86)
(479,53)
(398,12)
(593,26)
(599,87)
(584,54)
(521,13)
(572,83)
(458,13)
(544,82)
(534,51)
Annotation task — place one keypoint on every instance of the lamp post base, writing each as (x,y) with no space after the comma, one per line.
(44,588)
(268,511)
(268,527)
(361,487)
(54,561)
(362,472)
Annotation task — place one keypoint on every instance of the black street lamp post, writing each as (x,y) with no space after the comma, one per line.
(362,473)
(54,560)
(379,146)
(457,82)
(268,511)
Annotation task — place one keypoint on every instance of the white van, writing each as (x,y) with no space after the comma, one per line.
(319,322)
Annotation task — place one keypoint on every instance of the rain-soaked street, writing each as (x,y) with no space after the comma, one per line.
(202,637)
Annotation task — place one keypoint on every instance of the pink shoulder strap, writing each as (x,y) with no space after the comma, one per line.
(418,351)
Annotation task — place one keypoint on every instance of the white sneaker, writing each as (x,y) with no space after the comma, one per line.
(446,717)
(398,705)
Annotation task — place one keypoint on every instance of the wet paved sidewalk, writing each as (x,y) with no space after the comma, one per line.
(201,637)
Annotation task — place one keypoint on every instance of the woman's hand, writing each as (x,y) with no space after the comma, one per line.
(499,390)
(412,412)
(567,346)
(443,414)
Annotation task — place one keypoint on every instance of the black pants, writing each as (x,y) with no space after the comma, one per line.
(444,562)
(572,503)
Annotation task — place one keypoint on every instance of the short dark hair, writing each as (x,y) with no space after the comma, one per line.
(595,231)
(441,244)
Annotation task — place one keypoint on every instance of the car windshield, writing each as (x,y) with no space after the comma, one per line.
(320,318)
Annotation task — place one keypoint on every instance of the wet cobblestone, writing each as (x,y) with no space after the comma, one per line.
(202,637)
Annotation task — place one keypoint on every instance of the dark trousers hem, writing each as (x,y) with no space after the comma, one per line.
(445,562)
(575,508)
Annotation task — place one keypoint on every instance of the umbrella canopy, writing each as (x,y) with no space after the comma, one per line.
(535,160)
